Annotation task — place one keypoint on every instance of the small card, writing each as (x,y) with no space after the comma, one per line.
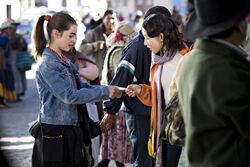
(122,88)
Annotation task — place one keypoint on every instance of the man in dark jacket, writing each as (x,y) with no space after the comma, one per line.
(214,85)
(134,68)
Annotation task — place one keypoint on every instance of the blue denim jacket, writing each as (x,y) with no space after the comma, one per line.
(58,93)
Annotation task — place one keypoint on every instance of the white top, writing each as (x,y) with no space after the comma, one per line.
(168,71)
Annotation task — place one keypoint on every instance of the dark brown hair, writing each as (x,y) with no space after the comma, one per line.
(108,11)
(155,24)
(60,21)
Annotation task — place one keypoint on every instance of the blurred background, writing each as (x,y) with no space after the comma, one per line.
(26,12)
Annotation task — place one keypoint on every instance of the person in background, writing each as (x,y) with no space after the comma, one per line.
(18,44)
(94,43)
(115,143)
(135,68)
(8,77)
(65,132)
(214,85)
(2,83)
(138,20)
(164,40)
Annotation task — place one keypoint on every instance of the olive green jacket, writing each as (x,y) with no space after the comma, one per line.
(214,91)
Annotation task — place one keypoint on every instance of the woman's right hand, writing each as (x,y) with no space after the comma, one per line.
(133,90)
(114,92)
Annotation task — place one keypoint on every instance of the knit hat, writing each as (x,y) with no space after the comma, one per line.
(125,28)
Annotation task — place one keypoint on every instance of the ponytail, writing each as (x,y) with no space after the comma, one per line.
(60,21)
(39,37)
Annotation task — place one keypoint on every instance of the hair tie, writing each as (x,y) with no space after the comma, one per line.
(47,17)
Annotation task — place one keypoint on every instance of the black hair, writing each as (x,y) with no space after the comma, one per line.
(157,9)
(108,11)
(157,23)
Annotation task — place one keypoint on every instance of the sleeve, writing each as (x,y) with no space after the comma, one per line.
(95,129)
(125,74)
(145,95)
(86,45)
(89,72)
(173,85)
(59,82)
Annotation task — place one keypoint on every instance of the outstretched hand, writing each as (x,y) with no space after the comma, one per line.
(133,90)
(115,92)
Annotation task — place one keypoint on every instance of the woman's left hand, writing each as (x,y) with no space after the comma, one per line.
(133,90)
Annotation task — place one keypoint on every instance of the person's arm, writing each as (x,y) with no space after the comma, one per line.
(89,71)
(129,70)
(92,42)
(141,91)
(58,80)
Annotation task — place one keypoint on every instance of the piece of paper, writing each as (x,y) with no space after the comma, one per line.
(121,88)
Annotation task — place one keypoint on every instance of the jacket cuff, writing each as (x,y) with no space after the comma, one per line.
(109,108)
(104,92)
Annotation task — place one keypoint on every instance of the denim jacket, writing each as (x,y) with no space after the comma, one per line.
(58,93)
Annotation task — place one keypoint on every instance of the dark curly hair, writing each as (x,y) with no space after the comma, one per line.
(155,24)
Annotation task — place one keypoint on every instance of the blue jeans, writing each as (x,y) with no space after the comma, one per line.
(138,127)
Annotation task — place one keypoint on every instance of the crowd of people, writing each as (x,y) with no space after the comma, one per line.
(106,99)
(13,82)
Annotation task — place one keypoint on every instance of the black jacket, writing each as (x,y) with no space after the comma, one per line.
(134,67)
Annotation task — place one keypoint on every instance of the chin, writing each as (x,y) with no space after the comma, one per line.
(66,49)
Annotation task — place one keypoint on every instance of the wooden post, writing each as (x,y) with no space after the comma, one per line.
(8,10)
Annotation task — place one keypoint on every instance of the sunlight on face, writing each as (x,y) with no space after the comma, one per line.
(110,21)
(154,44)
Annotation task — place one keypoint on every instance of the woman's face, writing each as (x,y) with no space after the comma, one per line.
(155,44)
(67,40)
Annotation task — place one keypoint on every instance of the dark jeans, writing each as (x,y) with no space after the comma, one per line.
(139,128)
(170,154)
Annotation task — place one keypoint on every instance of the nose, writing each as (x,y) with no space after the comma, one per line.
(112,21)
(145,42)
(74,39)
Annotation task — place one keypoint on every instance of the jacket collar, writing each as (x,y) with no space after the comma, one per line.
(223,46)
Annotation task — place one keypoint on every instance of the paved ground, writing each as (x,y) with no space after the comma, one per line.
(15,141)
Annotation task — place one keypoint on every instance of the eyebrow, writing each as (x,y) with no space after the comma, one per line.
(72,33)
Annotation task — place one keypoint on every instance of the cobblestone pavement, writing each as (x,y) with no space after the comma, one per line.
(15,141)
